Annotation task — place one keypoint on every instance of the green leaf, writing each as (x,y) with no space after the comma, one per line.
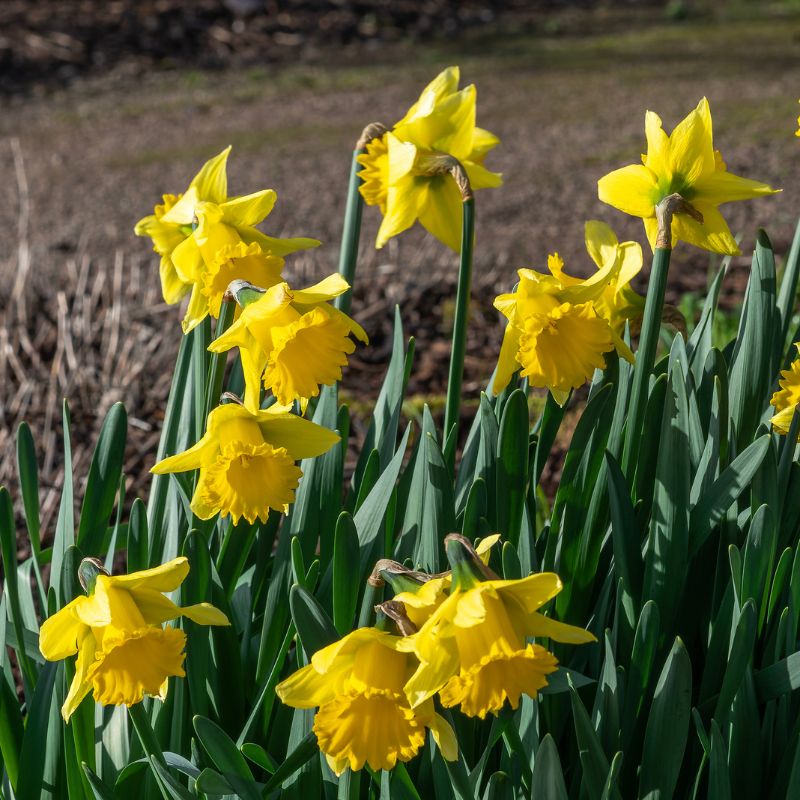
(100,790)
(28,472)
(788,293)
(42,740)
(474,524)
(226,757)
(700,342)
(725,490)
(779,678)
(546,430)
(548,778)
(593,759)
(666,554)
(750,373)
(740,657)
(345,573)
(512,466)
(8,548)
(625,535)
(719,782)
(103,481)
(65,525)
(667,726)
(642,661)
(369,517)
(303,753)
(314,626)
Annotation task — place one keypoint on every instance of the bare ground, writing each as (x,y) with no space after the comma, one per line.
(81,312)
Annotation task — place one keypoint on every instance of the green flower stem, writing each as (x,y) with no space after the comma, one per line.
(351,233)
(456,374)
(216,367)
(645,357)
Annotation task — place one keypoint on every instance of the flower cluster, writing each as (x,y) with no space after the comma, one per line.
(467,640)
(116,631)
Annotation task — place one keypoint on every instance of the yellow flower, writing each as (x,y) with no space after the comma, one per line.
(191,229)
(211,184)
(555,334)
(397,167)
(123,652)
(685,163)
(787,398)
(473,650)
(364,716)
(246,262)
(247,461)
(295,339)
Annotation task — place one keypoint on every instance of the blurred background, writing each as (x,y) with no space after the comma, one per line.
(105,106)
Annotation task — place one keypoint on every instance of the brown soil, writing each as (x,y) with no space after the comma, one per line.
(82,315)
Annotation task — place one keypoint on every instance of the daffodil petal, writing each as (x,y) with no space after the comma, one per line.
(211,183)
(631,189)
(248,210)
(711,234)
(724,187)
(59,634)
(301,437)
(691,149)
(441,211)
(80,686)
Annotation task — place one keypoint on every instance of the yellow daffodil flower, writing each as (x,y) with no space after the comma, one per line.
(473,650)
(210,184)
(397,167)
(364,716)
(293,341)
(208,239)
(247,461)
(555,334)
(123,652)
(684,163)
(787,398)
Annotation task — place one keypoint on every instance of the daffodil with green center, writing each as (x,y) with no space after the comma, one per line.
(683,163)
(555,334)
(405,171)
(123,652)
(473,649)
(364,717)
(786,400)
(247,461)
(292,341)
(210,184)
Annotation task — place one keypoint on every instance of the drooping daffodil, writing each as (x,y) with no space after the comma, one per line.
(247,461)
(473,649)
(556,332)
(291,341)
(364,716)
(208,238)
(405,171)
(123,651)
(685,163)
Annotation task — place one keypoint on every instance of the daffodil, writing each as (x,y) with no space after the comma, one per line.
(208,238)
(685,163)
(786,400)
(473,649)
(555,333)
(247,461)
(123,651)
(364,716)
(210,184)
(405,171)
(292,341)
